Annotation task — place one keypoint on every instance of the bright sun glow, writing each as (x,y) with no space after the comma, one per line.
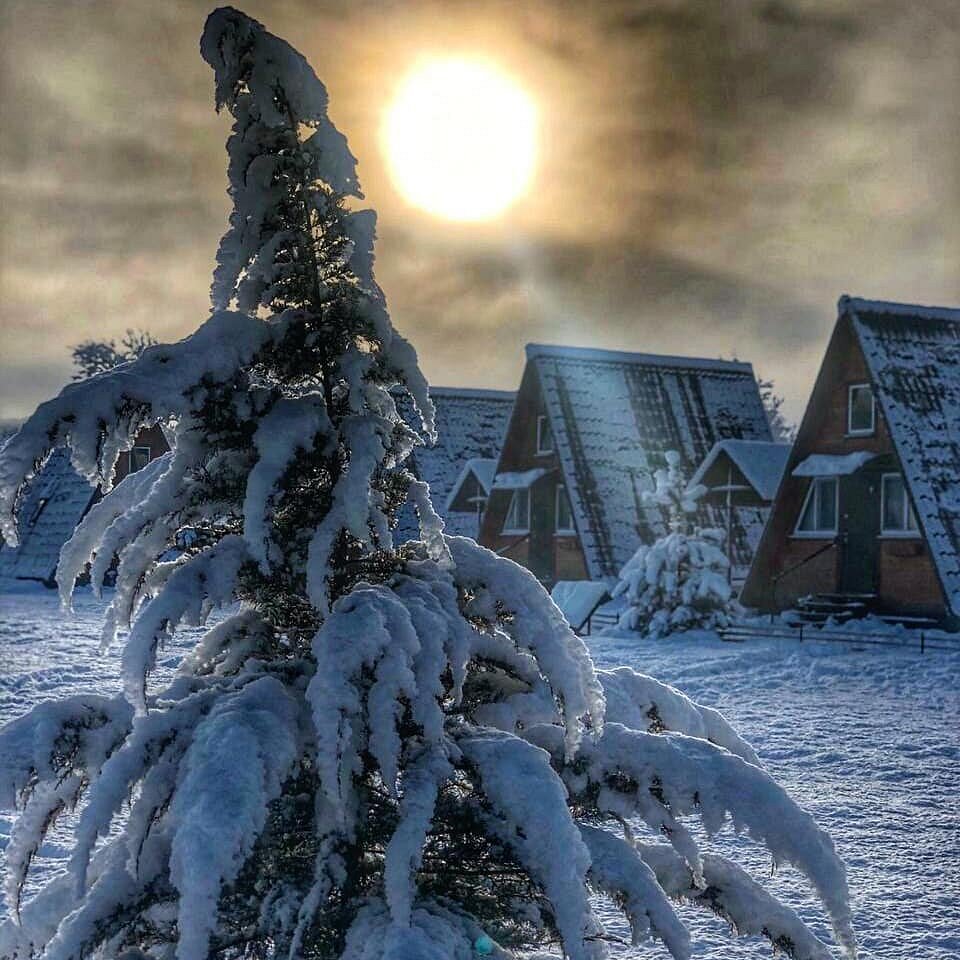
(460,139)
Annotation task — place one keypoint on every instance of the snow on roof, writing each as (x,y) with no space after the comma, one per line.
(613,415)
(518,481)
(470,427)
(55,501)
(535,350)
(762,463)
(577,599)
(833,465)
(482,468)
(913,354)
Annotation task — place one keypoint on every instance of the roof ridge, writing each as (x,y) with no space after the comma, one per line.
(535,350)
(476,392)
(854,305)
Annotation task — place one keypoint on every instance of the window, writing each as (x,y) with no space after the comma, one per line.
(518,516)
(544,436)
(819,515)
(564,522)
(860,409)
(897,515)
(139,458)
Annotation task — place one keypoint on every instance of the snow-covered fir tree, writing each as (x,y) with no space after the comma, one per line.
(376,750)
(681,580)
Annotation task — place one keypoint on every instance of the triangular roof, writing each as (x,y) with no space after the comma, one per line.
(52,506)
(913,354)
(470,426)
(614,414)
(761,462)
(482,469)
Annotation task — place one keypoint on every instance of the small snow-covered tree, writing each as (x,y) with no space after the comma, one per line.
(680,581)
(378,751)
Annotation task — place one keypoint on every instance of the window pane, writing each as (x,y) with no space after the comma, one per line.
(564,519)
(861,408)
(544,437)
(894,498)
(808,519)
(826,504)
(518,516)
(139,458)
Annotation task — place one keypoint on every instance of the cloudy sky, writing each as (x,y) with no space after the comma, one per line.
(713,175)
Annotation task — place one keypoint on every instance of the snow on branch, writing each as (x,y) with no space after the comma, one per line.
(671,775)
(527,794)
(201,583)
(240,756)
(536,627)
(642,703)
(731,893)
(99,417)
(618,870)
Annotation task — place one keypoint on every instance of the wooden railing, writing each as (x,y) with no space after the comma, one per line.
(920,640)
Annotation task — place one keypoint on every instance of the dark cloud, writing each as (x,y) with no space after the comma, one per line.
(713,174)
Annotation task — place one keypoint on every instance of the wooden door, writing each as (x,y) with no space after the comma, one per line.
(859,529)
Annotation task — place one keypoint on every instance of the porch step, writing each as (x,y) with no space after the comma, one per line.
(818,608)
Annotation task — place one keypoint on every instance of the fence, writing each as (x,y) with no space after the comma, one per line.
(921,640)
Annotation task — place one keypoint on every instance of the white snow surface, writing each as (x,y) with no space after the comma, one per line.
(864,738)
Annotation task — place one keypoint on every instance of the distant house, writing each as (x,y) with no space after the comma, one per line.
(868,512)
(56,501)
(587,430)
(742,477)
(470,428)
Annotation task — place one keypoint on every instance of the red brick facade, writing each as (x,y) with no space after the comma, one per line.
(899,570)
(550,555)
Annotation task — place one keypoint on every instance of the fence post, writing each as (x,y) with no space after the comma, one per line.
(801,633)
(923,644)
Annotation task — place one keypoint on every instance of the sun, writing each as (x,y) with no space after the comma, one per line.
(460,139)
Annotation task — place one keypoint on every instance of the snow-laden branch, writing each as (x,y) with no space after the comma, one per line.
(534,626)
(240,756)
(527,794)
(618,870)
(731,893)
(200,584)
(672,775)
(643,703)
(100,417)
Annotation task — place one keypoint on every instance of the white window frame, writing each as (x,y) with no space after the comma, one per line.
(525,491)
(541,449)
(908,532)
(819,534)
(864,431)
(559,497)
(130,454)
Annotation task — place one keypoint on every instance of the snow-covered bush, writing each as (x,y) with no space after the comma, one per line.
(679,581)
(378,751)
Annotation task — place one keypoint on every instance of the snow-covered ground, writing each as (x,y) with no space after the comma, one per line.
(867,739)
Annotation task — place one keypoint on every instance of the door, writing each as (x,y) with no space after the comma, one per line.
(859,529)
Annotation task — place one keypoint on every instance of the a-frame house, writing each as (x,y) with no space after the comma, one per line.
(587,430)
(867,516)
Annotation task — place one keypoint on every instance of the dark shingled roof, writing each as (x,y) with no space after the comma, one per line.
(52,506)
(913,354)
(470,425)
(614,415)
